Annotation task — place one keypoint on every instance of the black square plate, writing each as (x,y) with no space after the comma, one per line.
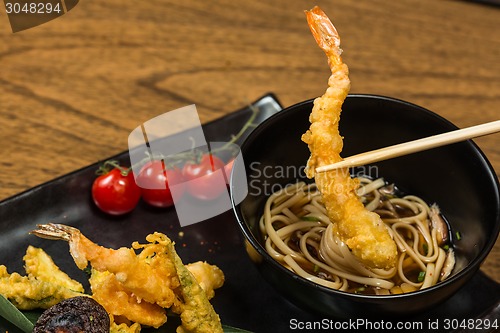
(245,301)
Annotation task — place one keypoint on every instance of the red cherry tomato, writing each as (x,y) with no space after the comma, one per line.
(115,193)
(228,168)
(156,184)
(205,179)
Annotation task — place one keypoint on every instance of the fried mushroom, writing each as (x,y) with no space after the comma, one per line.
(74,315)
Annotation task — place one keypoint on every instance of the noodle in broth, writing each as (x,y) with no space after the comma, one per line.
(297,233)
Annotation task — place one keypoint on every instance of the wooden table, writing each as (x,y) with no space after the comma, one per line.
(74,88)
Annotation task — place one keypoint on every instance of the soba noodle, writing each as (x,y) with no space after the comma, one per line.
(298,234)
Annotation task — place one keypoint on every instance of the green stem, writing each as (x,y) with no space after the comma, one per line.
(112,164)
(179,158)
(246,126)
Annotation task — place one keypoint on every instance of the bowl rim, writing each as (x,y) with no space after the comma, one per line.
(471,267)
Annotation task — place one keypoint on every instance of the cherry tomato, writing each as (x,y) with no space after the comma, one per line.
(156,184)
(115,193)
(228,168)
(205,180)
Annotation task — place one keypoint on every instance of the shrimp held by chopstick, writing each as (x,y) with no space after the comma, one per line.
(363,231)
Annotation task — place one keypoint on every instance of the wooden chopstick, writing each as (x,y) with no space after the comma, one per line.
(414,146)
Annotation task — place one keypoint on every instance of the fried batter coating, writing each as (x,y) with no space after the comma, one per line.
(40,265)
(363,231)
(197,314)
(123,327)
(119,302)
(45,285)
(28,293)
(209,277)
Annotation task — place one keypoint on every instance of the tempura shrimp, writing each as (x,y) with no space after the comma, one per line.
(149,275)
(363,231)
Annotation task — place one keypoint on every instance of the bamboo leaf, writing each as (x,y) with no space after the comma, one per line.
(33,315)
(13,315)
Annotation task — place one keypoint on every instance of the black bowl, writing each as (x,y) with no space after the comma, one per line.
(457,177)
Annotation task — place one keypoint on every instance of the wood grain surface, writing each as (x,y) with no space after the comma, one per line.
(73,89)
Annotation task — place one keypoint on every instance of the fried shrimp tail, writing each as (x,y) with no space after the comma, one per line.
(363,231)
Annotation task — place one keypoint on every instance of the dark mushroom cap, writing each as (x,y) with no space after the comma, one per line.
(74,315)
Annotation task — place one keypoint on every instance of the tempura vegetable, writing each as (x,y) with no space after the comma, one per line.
(197,314)
(40,265)
(209,277)
(44,286)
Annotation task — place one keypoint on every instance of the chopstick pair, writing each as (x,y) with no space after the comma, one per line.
(414,146)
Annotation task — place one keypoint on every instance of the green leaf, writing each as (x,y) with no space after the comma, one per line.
(13,315)
(229,329)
